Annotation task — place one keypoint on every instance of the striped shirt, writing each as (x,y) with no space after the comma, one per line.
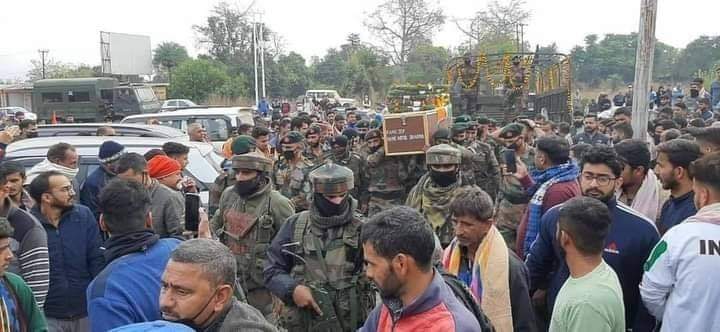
(29,246)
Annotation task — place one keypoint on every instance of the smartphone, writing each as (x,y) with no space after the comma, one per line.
(192,211)
(509,157)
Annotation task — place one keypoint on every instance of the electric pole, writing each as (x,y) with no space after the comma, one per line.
(643,67)
(43,52)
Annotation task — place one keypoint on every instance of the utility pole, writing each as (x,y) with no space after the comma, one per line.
(43,52)
(254,35)
(643,67)
(522,38)
(262,57)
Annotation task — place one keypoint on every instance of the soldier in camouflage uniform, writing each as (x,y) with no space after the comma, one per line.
(315,151)
(484,162)
(315,262)
(341,155)
(360,144)
(483,135)
(386,175)
(240,145)
(249,216)
(290,174)
(512,198)
(434,192)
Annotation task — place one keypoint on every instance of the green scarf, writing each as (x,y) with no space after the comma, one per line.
(335,221)
(432,201)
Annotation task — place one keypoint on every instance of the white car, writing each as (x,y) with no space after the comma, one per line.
(9,112)
(173,104)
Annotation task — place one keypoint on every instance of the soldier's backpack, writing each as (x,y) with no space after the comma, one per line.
(463,294)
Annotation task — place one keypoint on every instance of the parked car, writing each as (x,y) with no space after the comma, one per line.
(173,104)
(220,122)
(9,112)
(121,129)
(203,167)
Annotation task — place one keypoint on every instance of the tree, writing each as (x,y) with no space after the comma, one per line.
(700,54)
(403,25)
(226,33)
(294,75)
(493,29)
(426,64)
(197,79)
(168,55)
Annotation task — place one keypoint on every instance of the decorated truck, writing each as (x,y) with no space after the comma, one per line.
(505,86)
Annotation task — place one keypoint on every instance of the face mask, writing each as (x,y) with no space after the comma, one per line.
(694,93)
(247,187)
(578,124)
(328,208)
(443,179)
(361,136)
(190,322)
(339,152)
(288,154)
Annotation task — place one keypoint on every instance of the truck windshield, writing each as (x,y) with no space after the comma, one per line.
(145,94)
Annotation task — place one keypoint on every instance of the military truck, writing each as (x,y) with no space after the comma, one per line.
(93,99)
(508,85)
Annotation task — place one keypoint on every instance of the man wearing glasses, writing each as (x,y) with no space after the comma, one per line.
(630,240)
(73,238)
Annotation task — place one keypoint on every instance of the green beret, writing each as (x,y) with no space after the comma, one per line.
(293,137)
(462,119)
(511,131)
(483,120)
(242,145)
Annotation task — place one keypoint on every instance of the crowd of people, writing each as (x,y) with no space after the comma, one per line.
(312,226)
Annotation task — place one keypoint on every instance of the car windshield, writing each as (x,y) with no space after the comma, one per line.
(145,94)
(201,168)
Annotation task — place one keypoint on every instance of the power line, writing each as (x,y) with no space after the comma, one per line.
(43,52)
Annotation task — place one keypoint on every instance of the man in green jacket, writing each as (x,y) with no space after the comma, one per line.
(17,303)
(248,217)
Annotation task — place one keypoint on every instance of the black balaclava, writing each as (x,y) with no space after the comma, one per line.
(248,187)
(330,209)
(443,179)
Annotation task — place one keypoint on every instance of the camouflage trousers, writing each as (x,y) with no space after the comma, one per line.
(378,204)
(507,219)
(262,300)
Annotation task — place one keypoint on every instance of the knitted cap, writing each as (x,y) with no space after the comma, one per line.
(163,166)
(110,151)
(339,140)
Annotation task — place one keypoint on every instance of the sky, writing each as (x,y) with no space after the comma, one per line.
(70,29)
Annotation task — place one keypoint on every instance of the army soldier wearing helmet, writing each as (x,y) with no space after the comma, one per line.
(249,216)
(512,198)
(315,262)
(240,145)
(290,174)
(386,175)
(434,192)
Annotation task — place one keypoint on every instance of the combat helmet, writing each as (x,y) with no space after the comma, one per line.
(332,179)
(443,154)
(252,160)
(373,133)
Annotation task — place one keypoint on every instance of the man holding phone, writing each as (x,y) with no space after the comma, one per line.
(512,198)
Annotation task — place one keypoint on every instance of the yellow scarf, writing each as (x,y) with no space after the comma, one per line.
(490,277)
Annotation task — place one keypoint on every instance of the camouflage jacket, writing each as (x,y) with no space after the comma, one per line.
(313,158)
(292,181)
(385,173)
(222,182)
(485,167)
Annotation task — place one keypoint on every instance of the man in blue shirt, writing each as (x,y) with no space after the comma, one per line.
(672,167)
(629,242)
(74,243)
(128,288)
